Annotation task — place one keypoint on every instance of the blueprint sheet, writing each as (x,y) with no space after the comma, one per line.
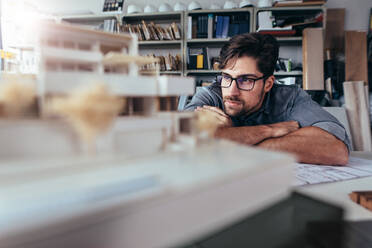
(314,174)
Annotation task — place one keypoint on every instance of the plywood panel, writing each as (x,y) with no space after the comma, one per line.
(313,59)
(356,56)
(335,30)
(358,114)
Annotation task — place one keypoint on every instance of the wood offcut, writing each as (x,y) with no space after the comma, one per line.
(363,198)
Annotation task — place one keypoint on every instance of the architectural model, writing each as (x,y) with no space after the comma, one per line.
(141,186)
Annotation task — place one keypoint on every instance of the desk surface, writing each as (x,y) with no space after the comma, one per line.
(337,192)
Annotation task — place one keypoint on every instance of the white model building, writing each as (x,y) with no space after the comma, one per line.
(71,58)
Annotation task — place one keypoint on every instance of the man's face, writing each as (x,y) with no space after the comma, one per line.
(239,102)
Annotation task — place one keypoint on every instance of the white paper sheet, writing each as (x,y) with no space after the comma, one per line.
(314,174)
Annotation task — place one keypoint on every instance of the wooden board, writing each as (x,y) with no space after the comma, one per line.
(335,30)
(356,56)
(313,59)
(358,113)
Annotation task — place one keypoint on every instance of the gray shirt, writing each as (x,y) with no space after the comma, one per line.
(281,103)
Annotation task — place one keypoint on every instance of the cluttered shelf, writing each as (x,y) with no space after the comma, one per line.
(285,22)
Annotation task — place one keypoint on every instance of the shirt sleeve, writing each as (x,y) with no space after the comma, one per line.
(308,113)
(204,96)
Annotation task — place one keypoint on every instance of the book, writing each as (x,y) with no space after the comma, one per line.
(210,26)
(225,26)
(176,31)
(146,31)
(202,27)
(206,61)
(194,27)
(234,26)
(219,26)
(199,61)
(189,27)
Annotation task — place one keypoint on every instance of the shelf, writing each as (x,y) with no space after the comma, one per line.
(288,74)
(313,7)
(289,39)
(88,17)
(203,71)
(213,11)
(159,42)
(171,72)
(214,40)
(161,72)
(153,16)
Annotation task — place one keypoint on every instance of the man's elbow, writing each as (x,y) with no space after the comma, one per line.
(341,154)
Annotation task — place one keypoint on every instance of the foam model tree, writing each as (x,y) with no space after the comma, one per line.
(16,98)
(91,110)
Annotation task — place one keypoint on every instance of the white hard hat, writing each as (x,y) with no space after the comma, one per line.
(132,8)
(194,6)
(215,6)
(245,3)
(150,9)
(164,7)
(230,5)
(179,7)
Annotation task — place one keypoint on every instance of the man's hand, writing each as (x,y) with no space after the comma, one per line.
(283,128)
(222,119)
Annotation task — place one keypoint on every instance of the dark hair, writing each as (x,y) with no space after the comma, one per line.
(262,47)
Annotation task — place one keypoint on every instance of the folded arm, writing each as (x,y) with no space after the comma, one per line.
(252,135)
(311,145)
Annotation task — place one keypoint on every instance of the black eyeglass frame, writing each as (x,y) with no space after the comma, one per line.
(220,77)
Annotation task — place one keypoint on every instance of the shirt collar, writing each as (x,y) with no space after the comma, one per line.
(265,108)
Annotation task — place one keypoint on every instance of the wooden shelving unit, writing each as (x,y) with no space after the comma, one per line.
(183,44)
(161,18)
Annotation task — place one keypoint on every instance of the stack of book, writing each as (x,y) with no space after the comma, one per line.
(285,23)
(198,59)
(166,63)
(217,26)
(153,31)
(111,26)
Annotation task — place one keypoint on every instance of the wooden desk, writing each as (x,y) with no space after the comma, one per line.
(337,192)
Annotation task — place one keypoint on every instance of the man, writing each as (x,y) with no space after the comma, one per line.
(252,110)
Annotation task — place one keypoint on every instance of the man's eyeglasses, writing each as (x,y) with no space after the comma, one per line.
(242,82)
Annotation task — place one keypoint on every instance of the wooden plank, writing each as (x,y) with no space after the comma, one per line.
(358,113)
(335,30)
(356,56)
(313,59)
